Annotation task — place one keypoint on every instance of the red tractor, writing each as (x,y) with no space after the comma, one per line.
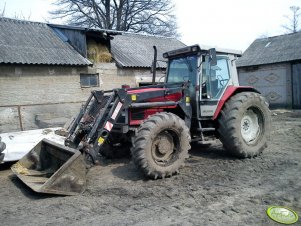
(200,100)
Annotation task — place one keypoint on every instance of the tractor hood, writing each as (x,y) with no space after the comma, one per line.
(166,97)
(143,90)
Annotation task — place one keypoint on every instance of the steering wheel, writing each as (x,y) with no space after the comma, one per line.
(222,81)
(161,78)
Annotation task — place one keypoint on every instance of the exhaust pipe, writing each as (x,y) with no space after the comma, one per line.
(154,65)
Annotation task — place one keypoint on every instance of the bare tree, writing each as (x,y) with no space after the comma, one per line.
(21,16)
(293,20)
(146,16)
(2,11)
(18,16)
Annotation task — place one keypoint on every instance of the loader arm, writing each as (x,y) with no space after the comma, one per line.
(91,128)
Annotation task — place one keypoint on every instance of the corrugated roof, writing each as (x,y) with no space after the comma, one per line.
(24,42)
(270,50)
(136,50)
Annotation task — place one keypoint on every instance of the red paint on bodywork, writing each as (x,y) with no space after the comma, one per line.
(150,111)
(142,90)
(230,91)
(169,97)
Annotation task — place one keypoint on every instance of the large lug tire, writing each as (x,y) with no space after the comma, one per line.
(161,145)
(244,124)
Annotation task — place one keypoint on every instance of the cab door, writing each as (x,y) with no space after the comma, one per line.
(214,81)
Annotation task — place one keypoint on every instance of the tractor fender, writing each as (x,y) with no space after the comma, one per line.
(229,92)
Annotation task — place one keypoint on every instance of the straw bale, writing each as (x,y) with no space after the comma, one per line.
(98,53)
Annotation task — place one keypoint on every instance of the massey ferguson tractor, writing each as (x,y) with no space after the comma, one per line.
(199,101)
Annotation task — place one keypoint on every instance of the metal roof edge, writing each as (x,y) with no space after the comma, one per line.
(21,21)
(261,64)
(150,35)
(277,36)
(73,27)
(222,50)
(44,64)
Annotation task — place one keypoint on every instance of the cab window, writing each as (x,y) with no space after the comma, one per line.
(182,69)
(215,78)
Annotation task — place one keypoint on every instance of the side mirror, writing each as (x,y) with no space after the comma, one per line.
(212,57)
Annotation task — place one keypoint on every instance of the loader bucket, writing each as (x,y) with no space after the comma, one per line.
(52,168)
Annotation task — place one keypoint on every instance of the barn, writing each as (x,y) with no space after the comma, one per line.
(47,70)
(273,66)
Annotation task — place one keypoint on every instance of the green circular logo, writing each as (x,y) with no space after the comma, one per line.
(282,214)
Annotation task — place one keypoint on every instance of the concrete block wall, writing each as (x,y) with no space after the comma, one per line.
(23,85)
(112,76)
(109,76)
(141,75)
(273,81)
(33,96)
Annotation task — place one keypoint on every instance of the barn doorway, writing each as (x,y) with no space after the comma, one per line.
(296,80)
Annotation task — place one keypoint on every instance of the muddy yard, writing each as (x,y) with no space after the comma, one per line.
(212,189)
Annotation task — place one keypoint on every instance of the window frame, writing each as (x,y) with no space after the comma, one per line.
(209,78)
(89,76)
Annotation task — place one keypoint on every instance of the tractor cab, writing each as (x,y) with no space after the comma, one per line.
(209,74)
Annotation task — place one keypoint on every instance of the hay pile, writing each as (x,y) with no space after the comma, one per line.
(98,53)
(20,169)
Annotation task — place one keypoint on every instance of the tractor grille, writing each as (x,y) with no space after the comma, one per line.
(137,114)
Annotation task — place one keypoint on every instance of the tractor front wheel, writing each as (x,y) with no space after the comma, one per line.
(161,145)
(244,124)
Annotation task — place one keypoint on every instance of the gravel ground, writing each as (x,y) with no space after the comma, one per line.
(212,189)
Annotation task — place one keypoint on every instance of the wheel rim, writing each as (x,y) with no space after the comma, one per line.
(164,147)
(251,126)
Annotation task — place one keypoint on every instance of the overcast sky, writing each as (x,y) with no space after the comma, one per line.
(232,24)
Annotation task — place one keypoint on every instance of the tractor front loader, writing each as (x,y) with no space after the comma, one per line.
(200,100)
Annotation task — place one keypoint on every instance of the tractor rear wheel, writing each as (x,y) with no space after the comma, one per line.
(244,124)
(161,145)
